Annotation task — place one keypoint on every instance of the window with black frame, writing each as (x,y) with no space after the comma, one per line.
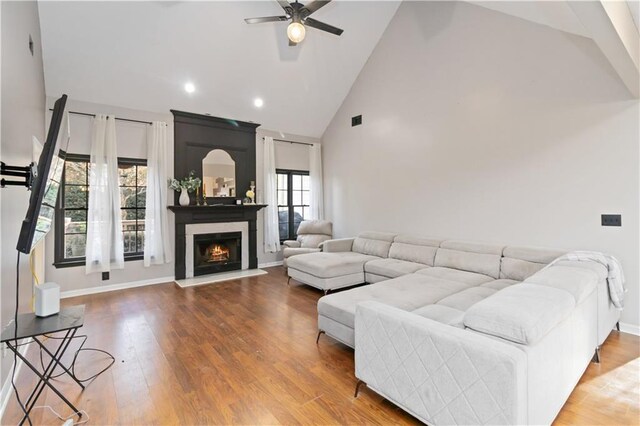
(73,203)
(293,201)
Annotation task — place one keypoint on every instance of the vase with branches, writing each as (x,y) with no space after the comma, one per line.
(185,185)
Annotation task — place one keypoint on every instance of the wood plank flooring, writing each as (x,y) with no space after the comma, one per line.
(244,352)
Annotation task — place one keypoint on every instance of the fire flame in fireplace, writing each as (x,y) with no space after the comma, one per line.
(217,253)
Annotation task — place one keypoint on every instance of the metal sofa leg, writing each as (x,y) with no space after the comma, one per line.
(360,383)
(318,337)
(618,326)
(289,280)
(326,292)
(596,355)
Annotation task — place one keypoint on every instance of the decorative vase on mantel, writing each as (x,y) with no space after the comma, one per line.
(184,197)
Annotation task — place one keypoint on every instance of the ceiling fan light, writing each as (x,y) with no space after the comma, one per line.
(296,32)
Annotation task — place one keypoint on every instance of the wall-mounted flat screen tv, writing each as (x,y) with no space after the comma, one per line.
(46,183)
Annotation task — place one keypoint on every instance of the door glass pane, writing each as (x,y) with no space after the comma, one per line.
(306,198)
(306,182)
(75,221)
(141,199)
(75,172)
(142,175)
(297,182)
(282,181)
(75,196)
(129,238)
(297,215)
(282,198)
(297,198)
(74,245)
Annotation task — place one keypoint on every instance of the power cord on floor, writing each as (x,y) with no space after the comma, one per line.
(69,417)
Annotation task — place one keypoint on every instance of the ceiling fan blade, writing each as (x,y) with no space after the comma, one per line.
(291,43)
(315,5)
(284,4)
(310,22)
(266,19)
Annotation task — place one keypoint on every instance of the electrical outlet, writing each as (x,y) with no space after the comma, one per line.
(105,276)
(611,220)
(356,121)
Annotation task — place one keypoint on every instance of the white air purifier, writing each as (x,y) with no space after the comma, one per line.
(47,299)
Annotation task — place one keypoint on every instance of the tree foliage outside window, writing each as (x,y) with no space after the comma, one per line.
(71,232)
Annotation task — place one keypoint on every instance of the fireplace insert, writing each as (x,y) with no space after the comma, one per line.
(217,252)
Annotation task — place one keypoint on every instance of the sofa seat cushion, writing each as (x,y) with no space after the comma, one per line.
(392,268)
(467,298)
(499,284)
(577,281)
(522,313)
(408,293)
(468,278)
(442,314)
(330,265)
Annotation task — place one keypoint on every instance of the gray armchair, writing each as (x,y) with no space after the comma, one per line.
(311,234)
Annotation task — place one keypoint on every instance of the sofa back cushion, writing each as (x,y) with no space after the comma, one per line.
(311,233)
(519,263)
(414,249)
(468,256)
(373,243)
(522,313)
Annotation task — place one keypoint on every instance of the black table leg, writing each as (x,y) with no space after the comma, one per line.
(45,378)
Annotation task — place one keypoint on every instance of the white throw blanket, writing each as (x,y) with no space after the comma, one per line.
(615,277)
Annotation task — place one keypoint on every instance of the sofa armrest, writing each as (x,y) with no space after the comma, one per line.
(439,373)
(337,245)
(291,244)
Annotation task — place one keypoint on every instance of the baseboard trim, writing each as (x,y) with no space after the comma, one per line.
(7,389)
(115,287)
(270,264)
(630,328)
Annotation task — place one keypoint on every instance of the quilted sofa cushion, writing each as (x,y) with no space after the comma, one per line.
(373,243)
(522,313)
(407,293)
(577,281)
(392,268)
(323,227)
(499,284)
(329,265)
(468,278)
(443,314)
(466,298)
(472,257)
(414,249)
(519,263)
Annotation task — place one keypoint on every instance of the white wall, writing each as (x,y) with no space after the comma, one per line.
(132,143)
(482,126)
(288,156)
(23,104)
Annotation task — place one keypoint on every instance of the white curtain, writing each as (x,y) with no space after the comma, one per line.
(316,194)
(157,249)
(105,250)
(271,233)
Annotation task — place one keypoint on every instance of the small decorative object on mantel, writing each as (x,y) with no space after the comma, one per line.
(251,193)
(186,185)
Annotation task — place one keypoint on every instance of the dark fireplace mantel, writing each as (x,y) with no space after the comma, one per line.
(185,215)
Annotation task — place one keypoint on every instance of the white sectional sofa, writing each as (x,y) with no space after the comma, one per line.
(457,332)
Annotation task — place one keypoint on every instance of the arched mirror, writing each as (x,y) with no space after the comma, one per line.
(219,174)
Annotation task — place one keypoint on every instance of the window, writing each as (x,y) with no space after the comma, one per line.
(293,201)
(73,203)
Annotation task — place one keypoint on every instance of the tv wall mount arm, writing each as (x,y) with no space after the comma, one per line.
(28,173)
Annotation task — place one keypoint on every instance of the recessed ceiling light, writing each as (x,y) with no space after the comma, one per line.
(189,88)
(258,102)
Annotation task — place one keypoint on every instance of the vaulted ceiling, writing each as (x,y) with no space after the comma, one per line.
(140,55)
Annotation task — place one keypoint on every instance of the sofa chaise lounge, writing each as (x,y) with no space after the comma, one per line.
(469,333)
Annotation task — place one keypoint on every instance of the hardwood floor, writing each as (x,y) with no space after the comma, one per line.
(244,352)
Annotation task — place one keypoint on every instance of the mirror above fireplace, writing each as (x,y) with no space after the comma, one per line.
(219,174)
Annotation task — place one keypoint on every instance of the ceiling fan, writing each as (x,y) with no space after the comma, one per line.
(299,16)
